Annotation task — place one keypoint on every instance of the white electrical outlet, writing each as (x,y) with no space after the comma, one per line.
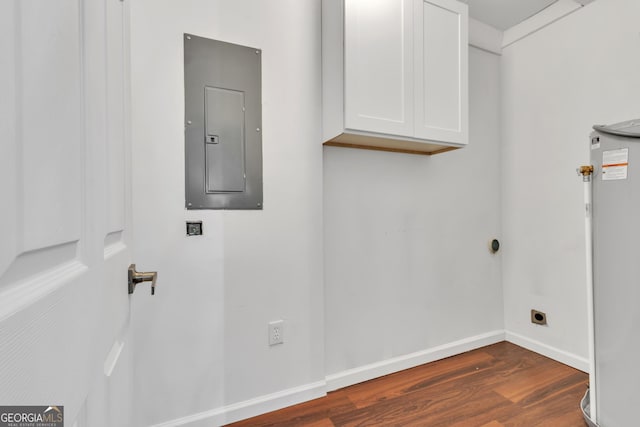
(276,332)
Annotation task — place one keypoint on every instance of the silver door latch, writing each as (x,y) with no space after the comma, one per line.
(136,277)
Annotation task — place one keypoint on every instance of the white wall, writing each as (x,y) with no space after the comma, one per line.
(557,83)
(201,342)
(408,269)
(407,261)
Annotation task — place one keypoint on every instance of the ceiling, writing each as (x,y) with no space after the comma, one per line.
(504,14)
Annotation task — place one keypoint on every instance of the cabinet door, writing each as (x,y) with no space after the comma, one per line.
(441,70)
(379,66)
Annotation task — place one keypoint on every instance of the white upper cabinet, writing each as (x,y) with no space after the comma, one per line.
(395,74)
(441,70)
(378,66)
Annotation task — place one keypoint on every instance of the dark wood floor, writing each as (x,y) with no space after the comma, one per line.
(501,385)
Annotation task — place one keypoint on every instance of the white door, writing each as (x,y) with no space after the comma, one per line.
(441,70)
(65,209)
(379,66)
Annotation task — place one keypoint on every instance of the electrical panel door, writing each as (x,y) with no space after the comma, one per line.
(223,142)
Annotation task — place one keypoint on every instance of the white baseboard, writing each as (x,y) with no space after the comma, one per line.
(282,399)
(561,356)
(396,364)
(252,407)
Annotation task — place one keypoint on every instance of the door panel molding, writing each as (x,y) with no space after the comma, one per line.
(113,244)
(27,292)
(32,263)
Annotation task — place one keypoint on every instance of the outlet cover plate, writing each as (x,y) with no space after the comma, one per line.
(276,332)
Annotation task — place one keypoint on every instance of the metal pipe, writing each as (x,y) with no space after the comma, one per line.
(587,172)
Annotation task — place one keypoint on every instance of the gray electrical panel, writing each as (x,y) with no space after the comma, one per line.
(223,125)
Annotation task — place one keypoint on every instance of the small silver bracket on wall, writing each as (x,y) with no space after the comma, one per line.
(194,228)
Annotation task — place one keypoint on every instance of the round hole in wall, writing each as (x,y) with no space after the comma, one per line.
(495,245)
(539,317)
